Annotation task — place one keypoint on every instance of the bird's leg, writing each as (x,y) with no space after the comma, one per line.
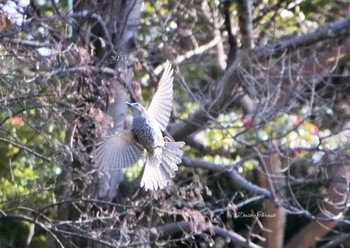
(161,145)
(166,139)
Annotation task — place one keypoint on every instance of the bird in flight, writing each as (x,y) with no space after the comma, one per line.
(125,148)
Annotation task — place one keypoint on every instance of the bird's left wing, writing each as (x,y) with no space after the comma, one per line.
(117,151)
(162,102)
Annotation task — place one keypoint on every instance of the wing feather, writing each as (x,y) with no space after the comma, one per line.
(117,151)
(162,102)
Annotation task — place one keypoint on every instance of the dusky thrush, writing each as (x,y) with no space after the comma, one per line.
(125,148)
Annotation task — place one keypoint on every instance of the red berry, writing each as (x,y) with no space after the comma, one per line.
(248,122)
(17,119)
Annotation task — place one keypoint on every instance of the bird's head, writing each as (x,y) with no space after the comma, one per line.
(136,108)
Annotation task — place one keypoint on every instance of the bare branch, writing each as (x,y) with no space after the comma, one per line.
(245,20)
(35,222)
(232,172)
(337,29)
(224,96)
(167,230)
(25,148)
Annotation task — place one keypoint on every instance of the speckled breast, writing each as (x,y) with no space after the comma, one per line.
(145,132)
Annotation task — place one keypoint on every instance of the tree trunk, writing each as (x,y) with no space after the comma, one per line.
(112,30)
(274,218)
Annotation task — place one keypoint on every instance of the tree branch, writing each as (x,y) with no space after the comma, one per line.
(227,84)
(167,230)
(27,149)
(231,38)
(230,171)
(245,20)
(33,221)
(223,97)
(334,30)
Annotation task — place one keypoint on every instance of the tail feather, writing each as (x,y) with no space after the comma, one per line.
(172,152)
(157,173)
(154,175)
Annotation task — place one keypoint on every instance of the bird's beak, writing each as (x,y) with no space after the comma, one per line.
(128,103)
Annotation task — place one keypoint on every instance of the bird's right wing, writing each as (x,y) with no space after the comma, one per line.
(162,101)
(117,151)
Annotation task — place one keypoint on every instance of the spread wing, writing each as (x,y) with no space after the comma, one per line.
(117,151)
(162,102)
